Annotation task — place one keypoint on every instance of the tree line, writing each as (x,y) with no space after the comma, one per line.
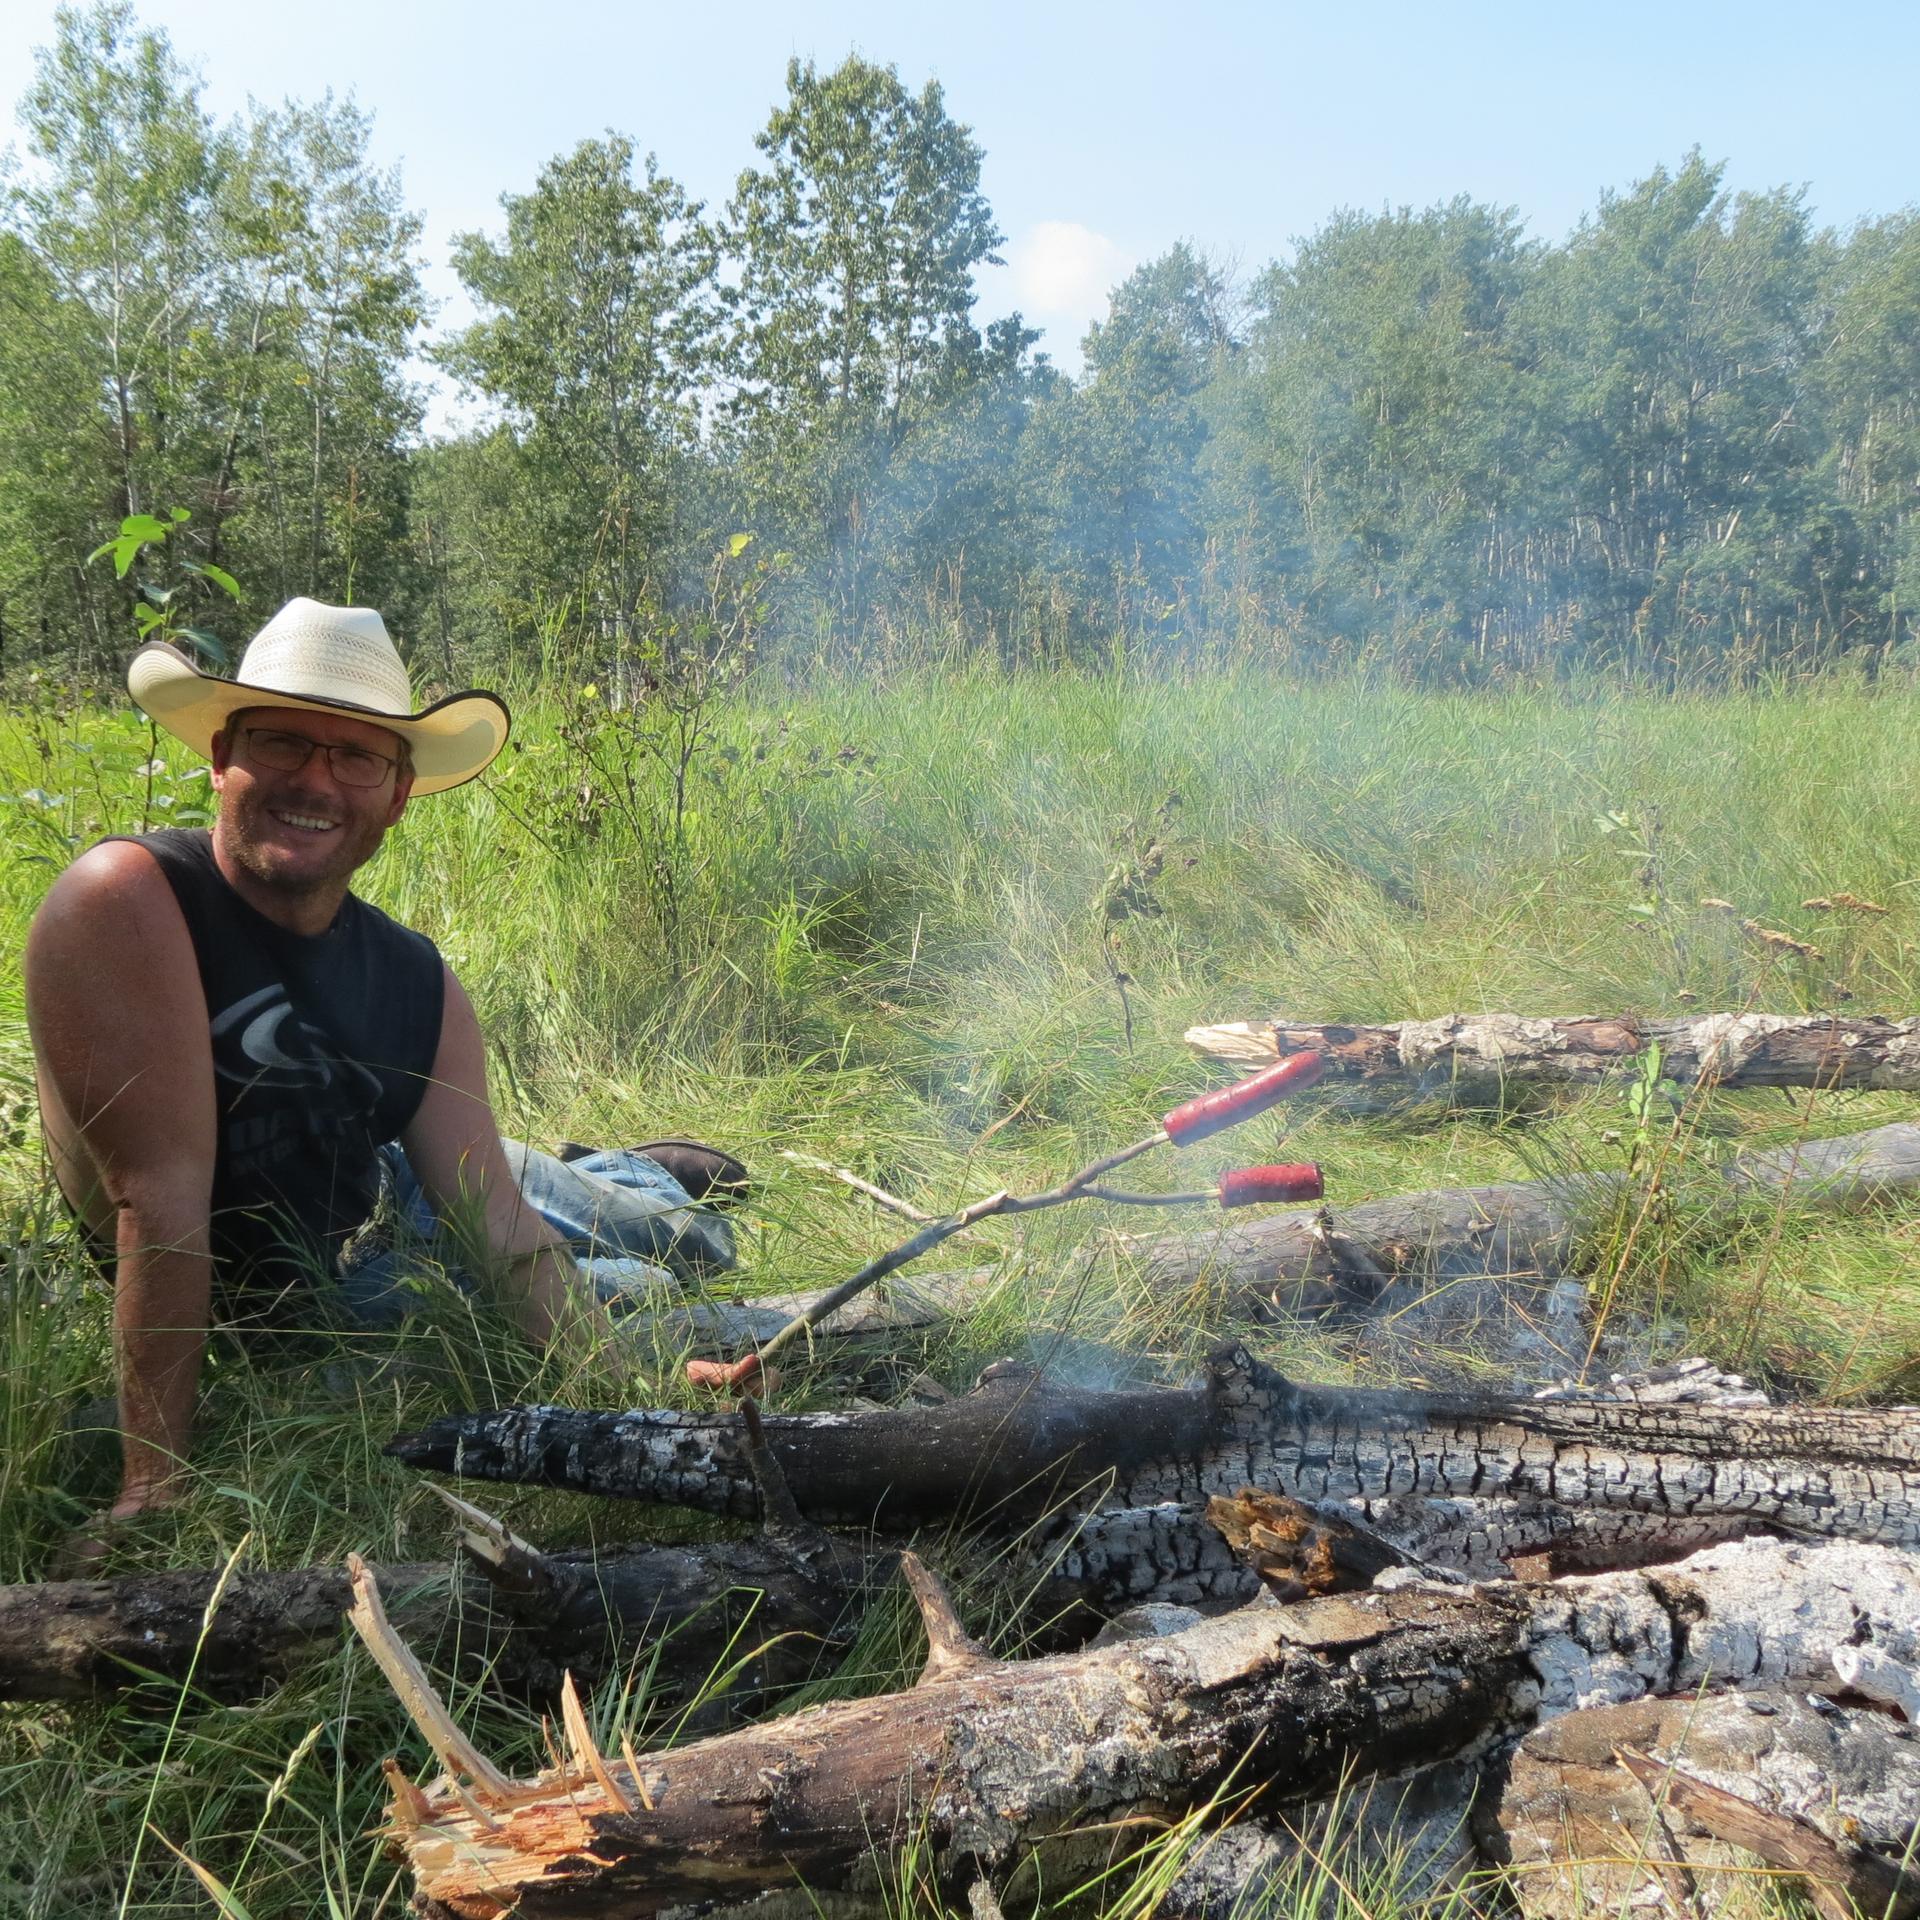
(1685,439)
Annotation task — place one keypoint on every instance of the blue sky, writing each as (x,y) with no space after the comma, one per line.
(1112,130)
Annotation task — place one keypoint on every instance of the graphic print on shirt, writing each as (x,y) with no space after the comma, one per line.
(261,1041)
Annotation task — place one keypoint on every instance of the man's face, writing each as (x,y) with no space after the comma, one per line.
(305,831)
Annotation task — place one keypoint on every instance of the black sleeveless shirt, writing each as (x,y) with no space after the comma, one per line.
(322,1047)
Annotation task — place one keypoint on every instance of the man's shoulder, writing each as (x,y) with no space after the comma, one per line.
(111,912)
(111,874)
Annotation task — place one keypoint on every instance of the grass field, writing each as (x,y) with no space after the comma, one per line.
(876,935)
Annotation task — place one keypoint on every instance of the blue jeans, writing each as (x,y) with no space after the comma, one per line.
(630,1225)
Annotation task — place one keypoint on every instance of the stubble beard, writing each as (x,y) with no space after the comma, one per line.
(244,831)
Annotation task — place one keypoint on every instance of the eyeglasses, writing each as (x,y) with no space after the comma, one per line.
(289,752)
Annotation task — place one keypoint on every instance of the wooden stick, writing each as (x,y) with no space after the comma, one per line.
(1841,1884)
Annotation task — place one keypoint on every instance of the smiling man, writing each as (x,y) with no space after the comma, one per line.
(229,1041)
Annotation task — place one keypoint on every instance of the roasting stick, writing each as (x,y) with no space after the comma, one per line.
(1197,1119)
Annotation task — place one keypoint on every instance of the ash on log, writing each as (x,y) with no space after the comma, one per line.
(1469,1478)
(1601,1809)
(986,1764)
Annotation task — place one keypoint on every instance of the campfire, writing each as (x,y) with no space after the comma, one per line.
(1620,1642)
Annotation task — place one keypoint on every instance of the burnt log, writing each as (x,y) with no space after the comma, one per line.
(585,1611)
(1468,1478)
(1612,1806)
(1486,1059)
(986,1764)
(1377,1257)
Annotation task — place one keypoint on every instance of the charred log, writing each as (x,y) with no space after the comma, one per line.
(1497,1475)
(65,1639)
(986,1763)
(1611,1806)
(1480,1059)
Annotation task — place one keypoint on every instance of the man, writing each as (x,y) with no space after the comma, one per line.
(226,1037)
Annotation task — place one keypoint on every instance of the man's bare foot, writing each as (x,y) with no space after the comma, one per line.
(83,1552)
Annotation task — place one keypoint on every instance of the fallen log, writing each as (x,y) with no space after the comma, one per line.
(770,1603)
(984,1764)
(1484,1059)
(1465,1477)
(1382,1255)
(760,1609)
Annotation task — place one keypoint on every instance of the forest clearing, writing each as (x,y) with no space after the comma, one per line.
(1281,831)
(901,954)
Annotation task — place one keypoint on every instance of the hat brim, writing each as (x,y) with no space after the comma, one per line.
(451,741)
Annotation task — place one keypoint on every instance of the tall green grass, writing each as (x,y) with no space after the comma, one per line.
(888,953)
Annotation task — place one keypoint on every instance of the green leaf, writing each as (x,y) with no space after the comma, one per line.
(209,646)
(181,516)
(220,577)
(739,544)
(144,528)
(145,619)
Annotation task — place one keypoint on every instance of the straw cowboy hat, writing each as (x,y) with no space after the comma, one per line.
(321,659)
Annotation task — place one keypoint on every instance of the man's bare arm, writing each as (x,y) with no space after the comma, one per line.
(453,1146)
(119,1028)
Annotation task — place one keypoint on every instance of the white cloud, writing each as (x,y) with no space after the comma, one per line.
(1059,266)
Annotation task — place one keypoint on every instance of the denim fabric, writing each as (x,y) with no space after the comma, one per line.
(629,1223)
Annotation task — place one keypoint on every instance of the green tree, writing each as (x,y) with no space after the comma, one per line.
(1673,331)
(115,284)
(1122,454)
(856,245)
(1378,426)
(1865,379)
(313,410)
(51,484)
(596,337)
(201,316)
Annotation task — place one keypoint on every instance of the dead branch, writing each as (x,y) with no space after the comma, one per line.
(715,1601)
